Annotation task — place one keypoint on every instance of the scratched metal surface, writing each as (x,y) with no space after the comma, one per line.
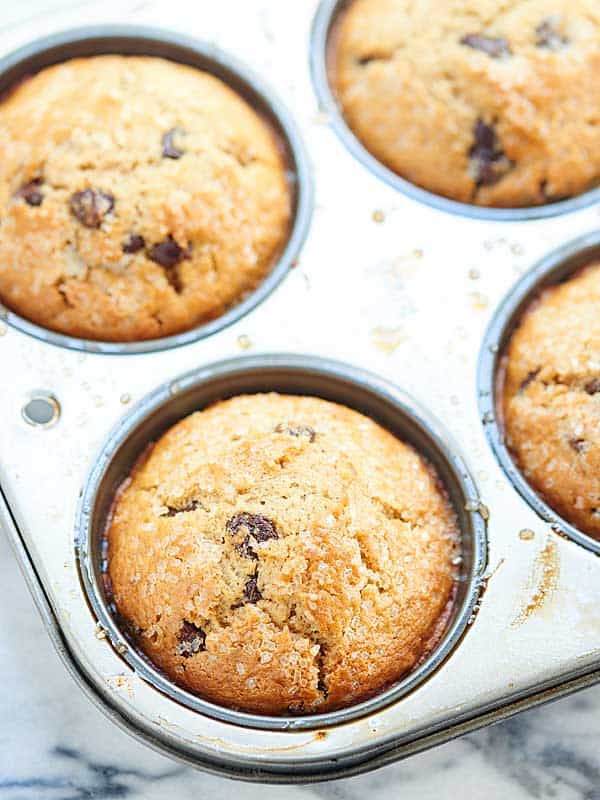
(383,282)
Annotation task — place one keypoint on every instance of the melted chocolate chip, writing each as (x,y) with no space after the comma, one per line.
(133,243)
(487,158)
(191,640)
(548,37)
(130,629)
(300,431)
(529,378)
(251,591)
(245,549)
(167,253)
(172,511)
(30,192)
(91,206)
(364,60)
(259,527)
(577,444)
(168,146)
(593,386)
(493,46)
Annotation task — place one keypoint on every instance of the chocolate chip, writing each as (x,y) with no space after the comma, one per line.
(577,444)
(191,640)
(493,46)
(548,37)
(90,206)
(364,60)
(593,386)
(245,549)
(529,378)
(300,431)
(168,146)
(251,591)
(30,192)
(487,158)
(259,527)
(133,243)
(172,510)
(167,253)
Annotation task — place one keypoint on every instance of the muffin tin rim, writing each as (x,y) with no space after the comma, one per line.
(558,264)
(251,366)
(323,20)
(247,83)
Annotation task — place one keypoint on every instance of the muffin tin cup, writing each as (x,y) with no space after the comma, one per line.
(289,374)
(134,40)
(323,22)
(557,266)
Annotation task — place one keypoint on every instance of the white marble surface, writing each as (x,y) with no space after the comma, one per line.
(55,744)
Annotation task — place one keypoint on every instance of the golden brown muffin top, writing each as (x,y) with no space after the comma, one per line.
(551,398)
(283,554)
(490,102)
(138,198)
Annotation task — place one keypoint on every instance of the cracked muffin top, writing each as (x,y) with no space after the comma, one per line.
(281,554)
(494,103)
(551,398)
(138,198)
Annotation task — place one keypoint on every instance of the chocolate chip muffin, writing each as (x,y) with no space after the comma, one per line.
(551,398)
(138,198)
(494,103)
(282,554)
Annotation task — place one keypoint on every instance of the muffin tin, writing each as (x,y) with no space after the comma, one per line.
(384,284)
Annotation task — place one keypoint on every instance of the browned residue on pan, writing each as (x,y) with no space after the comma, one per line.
(542,582)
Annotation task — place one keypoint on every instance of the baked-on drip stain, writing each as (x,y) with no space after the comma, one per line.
(90,206)
(493,46)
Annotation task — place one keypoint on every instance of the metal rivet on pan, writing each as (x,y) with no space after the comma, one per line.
(42,410)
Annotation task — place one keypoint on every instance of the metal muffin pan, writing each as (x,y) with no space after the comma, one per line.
(554,268)
(324,22)
(126,40)
(287,374)
(404,293)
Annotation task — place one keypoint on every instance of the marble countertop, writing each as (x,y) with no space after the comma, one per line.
(55,745)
